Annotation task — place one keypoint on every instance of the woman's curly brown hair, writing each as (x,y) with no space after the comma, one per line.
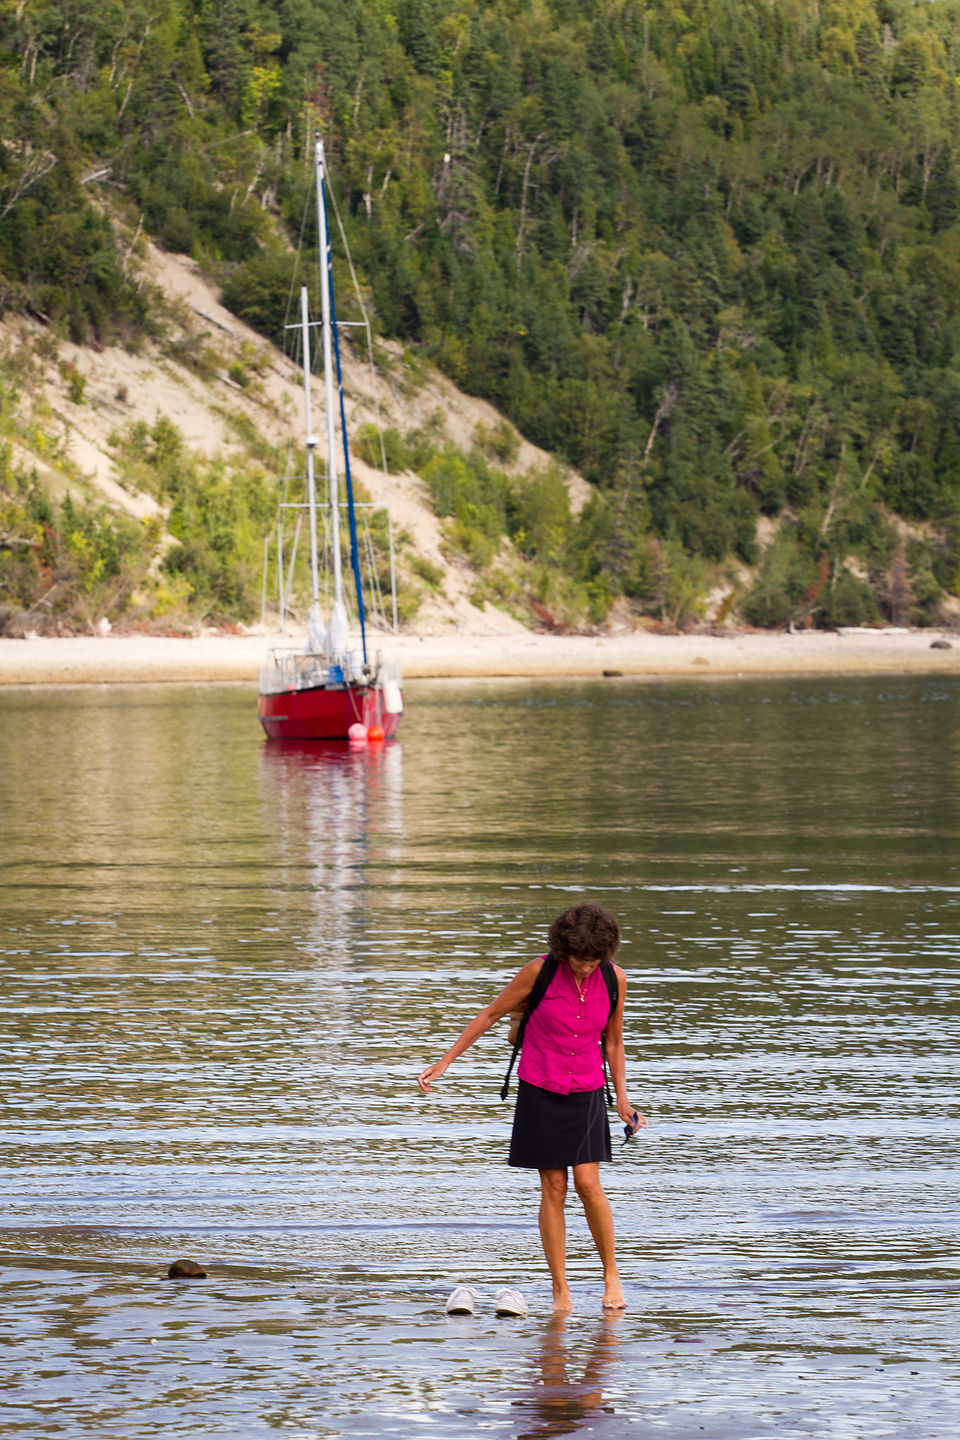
(585,930)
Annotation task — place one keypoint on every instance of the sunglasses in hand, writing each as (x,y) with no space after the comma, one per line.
(631,1128)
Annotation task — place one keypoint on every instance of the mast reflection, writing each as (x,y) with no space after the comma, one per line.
(336,811)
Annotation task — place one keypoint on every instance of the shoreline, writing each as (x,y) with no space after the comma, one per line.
(218,658)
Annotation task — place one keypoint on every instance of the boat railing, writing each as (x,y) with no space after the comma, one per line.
(298,670)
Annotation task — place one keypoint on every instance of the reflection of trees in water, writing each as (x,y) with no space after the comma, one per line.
(560,1405)
(337,815)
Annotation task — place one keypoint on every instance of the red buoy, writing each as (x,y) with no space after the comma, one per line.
(375,732)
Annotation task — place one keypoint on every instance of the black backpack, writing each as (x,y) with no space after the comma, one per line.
(547,971)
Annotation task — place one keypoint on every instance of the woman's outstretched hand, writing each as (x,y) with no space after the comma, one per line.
(627,1112)
(426,1077)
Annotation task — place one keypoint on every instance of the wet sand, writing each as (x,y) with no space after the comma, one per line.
(126,659)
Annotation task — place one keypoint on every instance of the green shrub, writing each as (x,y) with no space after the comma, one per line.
(264,291)
(218,515)
(367,445)
(421,445)
(67,565)
(499,440)
(849,601)
(539,513)
(928,596)
(408,603)
(474,497)
(471,539)
(76,382)
(786,574)
(431,574)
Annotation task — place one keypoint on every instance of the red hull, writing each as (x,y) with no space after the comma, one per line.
(324,714)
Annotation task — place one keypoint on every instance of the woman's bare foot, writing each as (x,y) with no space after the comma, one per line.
(562,1300)
(613,1294)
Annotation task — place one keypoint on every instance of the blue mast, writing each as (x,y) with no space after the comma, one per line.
(351,515)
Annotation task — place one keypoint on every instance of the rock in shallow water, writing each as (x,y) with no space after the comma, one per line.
(186,1270)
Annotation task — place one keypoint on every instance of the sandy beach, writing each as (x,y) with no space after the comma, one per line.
(211,658)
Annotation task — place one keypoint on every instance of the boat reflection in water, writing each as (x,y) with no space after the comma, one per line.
(337,812)
(561,1405)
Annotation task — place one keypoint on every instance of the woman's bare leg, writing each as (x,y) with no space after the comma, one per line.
(553,1234)
(596,1207)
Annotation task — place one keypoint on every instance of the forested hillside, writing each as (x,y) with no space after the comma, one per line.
(706,252)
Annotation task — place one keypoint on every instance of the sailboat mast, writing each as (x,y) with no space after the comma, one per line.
(328,378)
(311,442)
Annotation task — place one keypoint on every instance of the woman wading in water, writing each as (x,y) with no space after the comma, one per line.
(560,1119)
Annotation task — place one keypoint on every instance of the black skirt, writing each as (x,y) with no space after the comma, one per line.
(552,1131)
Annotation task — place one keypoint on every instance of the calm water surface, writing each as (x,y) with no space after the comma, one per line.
(224,962)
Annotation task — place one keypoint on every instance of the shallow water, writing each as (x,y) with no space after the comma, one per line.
(224,962)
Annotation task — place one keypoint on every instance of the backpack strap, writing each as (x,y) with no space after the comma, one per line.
(545,974)
(612,983)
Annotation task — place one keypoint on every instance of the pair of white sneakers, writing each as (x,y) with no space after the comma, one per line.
(506,1302)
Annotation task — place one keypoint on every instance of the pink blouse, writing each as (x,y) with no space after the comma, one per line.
(561,1044)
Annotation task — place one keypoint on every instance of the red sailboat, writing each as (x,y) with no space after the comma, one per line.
(333,689)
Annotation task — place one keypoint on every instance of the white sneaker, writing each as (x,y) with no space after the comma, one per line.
(461,1301)
(511,1302)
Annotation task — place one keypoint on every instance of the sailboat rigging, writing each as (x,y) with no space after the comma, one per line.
(331,689)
